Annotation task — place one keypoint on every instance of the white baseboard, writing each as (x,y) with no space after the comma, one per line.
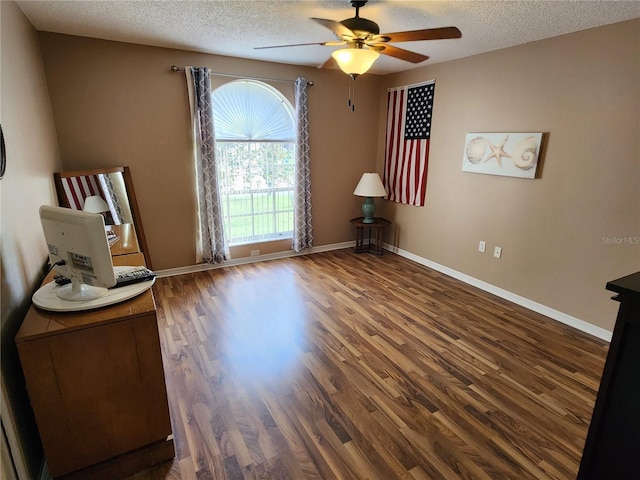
(258,258)
(561,317)
(487,287)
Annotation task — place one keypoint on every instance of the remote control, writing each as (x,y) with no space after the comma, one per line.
(140,274)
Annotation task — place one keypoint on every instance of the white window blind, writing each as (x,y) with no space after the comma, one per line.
(251,110)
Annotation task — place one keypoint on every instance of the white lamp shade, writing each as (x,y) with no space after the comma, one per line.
(95,204)
(370,185)
(355,61)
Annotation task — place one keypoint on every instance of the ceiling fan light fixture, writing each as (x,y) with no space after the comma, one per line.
(355,61)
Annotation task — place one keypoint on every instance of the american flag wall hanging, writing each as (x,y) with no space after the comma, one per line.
(409,111)
(79,188)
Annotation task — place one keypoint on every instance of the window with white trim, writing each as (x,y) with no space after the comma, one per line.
(255,152)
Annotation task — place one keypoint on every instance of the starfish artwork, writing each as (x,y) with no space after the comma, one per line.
(497,151)
(516,153)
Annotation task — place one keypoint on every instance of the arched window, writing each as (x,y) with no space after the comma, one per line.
(255,152)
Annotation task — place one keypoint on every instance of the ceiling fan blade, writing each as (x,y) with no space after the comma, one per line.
(400,53)
(417,35)
(330,44)
(330,63)
(337,28)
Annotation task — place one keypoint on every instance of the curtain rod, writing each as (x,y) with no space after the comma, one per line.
(309,82)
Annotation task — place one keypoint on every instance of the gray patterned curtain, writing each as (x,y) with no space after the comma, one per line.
(212,247)
(302,228)
(112,198)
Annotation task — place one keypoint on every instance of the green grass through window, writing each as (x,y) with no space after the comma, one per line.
(253,216)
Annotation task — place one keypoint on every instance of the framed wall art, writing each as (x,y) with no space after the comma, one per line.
(507,154)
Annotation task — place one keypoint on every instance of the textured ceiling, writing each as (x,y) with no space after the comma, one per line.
(235,27)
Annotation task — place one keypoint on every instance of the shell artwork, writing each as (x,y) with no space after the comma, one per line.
(510,154)
(524,153)
(476,149)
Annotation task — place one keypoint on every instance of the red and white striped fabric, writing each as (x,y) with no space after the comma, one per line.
(409,111)
(79,188)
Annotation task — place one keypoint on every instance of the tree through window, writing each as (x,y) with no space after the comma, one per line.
(255,152)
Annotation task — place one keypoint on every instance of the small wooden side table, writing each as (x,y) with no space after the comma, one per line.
(374,239)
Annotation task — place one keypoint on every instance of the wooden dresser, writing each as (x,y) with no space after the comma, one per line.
(96,384)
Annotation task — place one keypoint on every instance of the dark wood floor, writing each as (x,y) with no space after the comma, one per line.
(344,366)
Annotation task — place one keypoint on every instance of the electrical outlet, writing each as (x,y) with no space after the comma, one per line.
(482,246)
(255,253)
(497,252)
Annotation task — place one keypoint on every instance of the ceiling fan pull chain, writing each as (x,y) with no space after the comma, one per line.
(352,93)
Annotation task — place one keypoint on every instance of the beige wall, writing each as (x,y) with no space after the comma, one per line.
(32,154)
(583,91)
(119,104)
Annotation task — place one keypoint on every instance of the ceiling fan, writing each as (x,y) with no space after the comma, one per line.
(364,42)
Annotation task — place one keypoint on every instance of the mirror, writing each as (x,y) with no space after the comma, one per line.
(110,192)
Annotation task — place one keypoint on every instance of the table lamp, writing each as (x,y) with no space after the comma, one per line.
(95,204)
(369,186)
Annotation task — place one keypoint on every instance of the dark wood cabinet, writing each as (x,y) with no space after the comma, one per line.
(612,448)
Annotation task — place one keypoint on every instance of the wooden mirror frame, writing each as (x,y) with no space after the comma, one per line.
(63,201)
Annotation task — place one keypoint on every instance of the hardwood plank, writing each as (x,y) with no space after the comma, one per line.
(343,366)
